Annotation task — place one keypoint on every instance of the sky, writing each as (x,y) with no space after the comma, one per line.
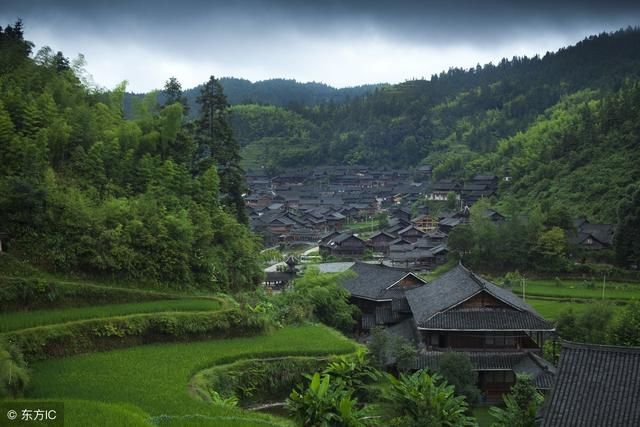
(341,43)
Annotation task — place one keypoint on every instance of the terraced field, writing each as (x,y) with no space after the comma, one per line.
(28,319)
(154,377)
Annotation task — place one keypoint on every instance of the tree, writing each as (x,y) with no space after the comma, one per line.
(457,370)
(626,240)
(217,144)
(521,405)
(551,249)
(420,399)
(461,239)
(173,93)
(626,329)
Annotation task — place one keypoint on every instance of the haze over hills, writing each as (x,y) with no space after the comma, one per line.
(468,121)
(279,92)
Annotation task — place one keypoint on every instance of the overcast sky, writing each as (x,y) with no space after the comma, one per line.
(341,43)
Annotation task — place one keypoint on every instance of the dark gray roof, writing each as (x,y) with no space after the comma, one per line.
(458,285)
(541,372)
(372,281)
(595,386)
(405,329)
(486,319)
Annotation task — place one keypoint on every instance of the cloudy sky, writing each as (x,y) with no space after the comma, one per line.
(342,43)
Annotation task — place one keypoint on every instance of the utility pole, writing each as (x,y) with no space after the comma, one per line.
(524,286)
(604,283)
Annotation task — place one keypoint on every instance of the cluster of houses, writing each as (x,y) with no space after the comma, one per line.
(459,311)
(304,205)
(463,312)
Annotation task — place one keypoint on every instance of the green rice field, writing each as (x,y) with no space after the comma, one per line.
(154,377)
(27,319)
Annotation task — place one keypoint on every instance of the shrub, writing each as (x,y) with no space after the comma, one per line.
(457,370)
(104,334)
(14,375)
(255,380)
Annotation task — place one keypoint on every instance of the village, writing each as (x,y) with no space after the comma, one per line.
(399,217)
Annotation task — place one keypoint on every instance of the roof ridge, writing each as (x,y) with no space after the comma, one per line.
(600,347)
(472,275)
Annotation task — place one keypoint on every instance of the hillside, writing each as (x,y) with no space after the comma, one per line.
(469,121)
(84,191)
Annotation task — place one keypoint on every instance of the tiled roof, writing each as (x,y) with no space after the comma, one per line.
(541,372)
(486,319)
(458,285)
(373,280)
(595,386)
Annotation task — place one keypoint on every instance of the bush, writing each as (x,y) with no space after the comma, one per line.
(14,375)
(255,380)
(457,370)
(316,296)
(105,334)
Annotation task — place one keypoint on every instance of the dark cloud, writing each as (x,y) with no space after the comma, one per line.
(299,39)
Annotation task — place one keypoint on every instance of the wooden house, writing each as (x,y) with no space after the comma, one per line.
(344,244)
(379,292)
(410,233)
(381,241)
(460,311)
(425,222)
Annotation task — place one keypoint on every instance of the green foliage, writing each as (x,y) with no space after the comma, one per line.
(385,349)
(323,403)
(132,375)
(591,326)
(33,293)
(101,334)
(28,319)
(255,380)
(421,399)
(14,374)
(316,296)
(521,405)
(627,237)
(84,190)
(626,327)
(457,370)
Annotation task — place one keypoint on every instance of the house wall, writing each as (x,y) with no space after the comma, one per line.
(477,340)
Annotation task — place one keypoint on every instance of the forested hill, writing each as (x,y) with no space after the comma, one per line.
(280,92)
(83,190)
(448,120)
(458,120)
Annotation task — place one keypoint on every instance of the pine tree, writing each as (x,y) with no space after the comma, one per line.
(214,132)
(173,92)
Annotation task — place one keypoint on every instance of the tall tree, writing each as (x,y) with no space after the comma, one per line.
(217,145)
(627,237)
(173,92)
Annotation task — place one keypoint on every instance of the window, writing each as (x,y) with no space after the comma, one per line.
(499,377)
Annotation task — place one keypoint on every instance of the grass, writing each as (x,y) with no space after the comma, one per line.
(27,319)
(481,413)
(82,413)
(154,377)
(549,309)
(577,290)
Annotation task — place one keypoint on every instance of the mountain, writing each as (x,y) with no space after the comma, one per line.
(468,121)
(279,92)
